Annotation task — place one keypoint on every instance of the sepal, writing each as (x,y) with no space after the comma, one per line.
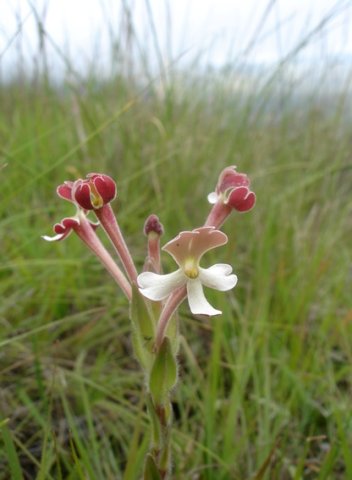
(65,227)
(65,191)
(62,229)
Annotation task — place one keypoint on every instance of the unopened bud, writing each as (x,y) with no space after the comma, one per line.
(153,229)
(153,225)
(232,192)
(94,192)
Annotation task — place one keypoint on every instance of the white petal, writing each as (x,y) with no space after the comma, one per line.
(212,197)
(220,269)
(198,304)
(157,287)
(52,239)
(218,277)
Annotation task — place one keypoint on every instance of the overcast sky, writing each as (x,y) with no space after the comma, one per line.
(218,30)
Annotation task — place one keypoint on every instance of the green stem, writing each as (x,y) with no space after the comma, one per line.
(160,448)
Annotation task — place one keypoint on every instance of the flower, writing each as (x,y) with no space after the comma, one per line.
(92,193)
(66,226)
(187,249)
(232,189)
(231,193)
(95,193)
(85,230)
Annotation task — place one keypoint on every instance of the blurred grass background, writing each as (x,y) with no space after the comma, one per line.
(265,389)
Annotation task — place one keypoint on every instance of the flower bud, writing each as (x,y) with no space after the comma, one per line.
(232,189)
(94,192)
(153,225)
(232,192)
(153,229)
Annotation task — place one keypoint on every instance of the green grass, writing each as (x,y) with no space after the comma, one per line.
(266,386)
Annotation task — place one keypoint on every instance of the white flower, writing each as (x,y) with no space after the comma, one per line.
(187,249)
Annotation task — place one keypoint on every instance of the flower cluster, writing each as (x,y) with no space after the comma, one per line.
(96,191)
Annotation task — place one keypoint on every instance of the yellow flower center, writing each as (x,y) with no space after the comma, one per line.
(95,198)
(191,268)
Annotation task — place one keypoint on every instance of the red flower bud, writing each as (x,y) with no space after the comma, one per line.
(94,192)
(153,229)
(233,190)
(152,224)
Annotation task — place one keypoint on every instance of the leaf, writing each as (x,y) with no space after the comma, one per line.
(12,456)
(150,469)
(141,317)
(262,470)
(163,375)
(143,329)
